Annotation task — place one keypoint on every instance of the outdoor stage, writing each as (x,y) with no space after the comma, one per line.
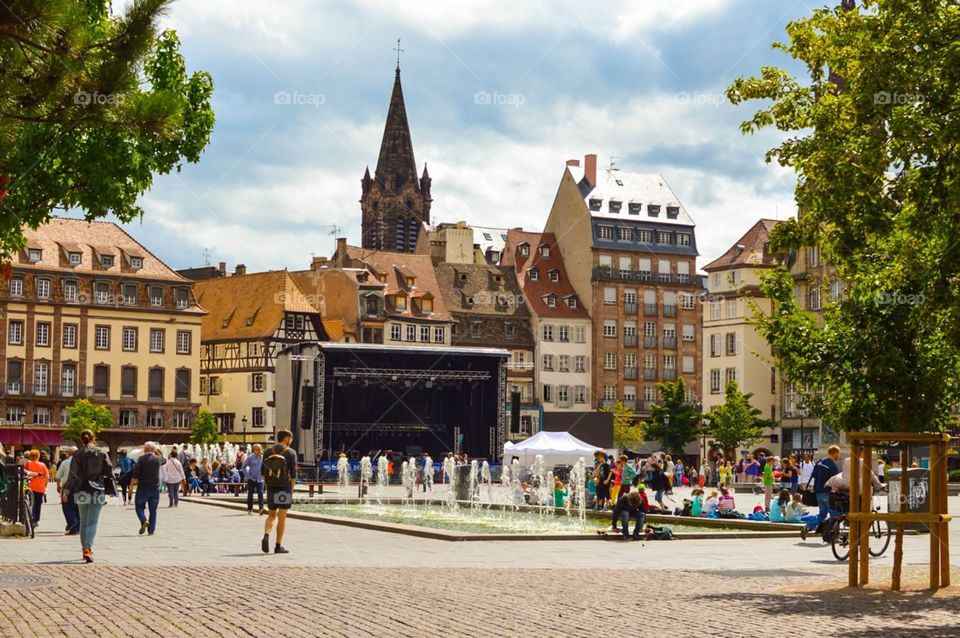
(367,398)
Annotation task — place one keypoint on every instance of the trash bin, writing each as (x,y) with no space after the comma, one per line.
(919,480)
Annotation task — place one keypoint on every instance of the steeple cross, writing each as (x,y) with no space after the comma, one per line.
(399,51)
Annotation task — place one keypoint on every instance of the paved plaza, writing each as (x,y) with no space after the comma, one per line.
(202,574)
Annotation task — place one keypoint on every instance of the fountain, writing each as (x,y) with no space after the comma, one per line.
(343,475)
(577,490)
(383,478)
(486,478)
(366,473)
(448,466)
(474,493)
(408,476)
(428,474)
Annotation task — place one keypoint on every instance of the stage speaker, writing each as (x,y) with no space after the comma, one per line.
(307,393)
(514,411)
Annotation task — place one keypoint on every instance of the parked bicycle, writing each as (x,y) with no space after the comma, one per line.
(836,530)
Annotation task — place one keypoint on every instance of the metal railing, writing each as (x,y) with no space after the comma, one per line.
(629,340)
(650,309)
(650,374)
(10,500)
(649,342)
(629,373)
(669,342)
(616,274)
(669,374)
(70,390)
(630,308)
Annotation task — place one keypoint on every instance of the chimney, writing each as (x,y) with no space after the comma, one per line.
(240,270)
(318,263)
(341,255)
(573,162)
(222,268)
(590,168)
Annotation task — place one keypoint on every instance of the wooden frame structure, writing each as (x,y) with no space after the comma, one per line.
(861,514)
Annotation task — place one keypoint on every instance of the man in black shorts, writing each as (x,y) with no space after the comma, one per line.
(279,470)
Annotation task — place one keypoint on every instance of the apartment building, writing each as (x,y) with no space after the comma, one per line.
(350,300)
(630,252)
(89,313)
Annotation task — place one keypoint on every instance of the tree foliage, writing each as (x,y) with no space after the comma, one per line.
(873,135)
(735,422)
(83,415)
(627,430)
(92,105)
(673,422)
(205,431)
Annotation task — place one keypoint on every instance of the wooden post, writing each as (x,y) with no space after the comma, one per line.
(864,505)
(934,499)
(943,534)
(854,557)
(898,542)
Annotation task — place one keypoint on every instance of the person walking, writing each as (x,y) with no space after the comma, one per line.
(279,470)
(126,466)
(173,476)
(70,513)
(89,482)
(38,476)
(679,473)
(251,470)
(825,469)
(768,480)
(660,485)
(145,477)
(806,469)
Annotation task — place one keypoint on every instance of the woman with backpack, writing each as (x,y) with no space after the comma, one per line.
(89,483)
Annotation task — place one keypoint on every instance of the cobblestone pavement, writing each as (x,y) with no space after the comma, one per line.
(116,601)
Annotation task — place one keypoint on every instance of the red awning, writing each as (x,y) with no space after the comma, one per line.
(10,436)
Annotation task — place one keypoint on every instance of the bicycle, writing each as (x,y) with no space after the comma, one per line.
(838,532)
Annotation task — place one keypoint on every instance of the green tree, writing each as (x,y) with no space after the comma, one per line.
(735,422)
(205,430)
(92,105)
(873,135)
(627,430)
(673,422)
(83,415)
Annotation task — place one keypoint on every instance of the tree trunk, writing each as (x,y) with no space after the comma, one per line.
(898,540)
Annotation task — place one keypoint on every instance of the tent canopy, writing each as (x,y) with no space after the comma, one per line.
(560,448)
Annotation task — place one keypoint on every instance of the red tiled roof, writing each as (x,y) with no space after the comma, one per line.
(750,250)
(418,266)
(535,291)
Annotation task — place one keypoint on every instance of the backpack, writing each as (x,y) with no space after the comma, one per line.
(659,534)
(275,471)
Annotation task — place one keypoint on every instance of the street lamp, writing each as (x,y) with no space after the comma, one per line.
(704,424)
(802,409)
(243,434)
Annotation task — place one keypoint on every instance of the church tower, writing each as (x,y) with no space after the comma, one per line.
(395,203)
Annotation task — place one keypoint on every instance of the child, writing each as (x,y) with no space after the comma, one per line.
(615,478)
(778,511)
(712,505)
(696,508)
(727,503)
(559,494)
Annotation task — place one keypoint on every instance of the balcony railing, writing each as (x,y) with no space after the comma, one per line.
(650,374)
(649,342)
(669,374)
(629,373)
(70,390)
(669,310)
(630,403)
(630,308)
(607,403)
(669,342)
(629,340)
(616,274)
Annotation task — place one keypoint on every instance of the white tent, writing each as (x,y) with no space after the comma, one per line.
(557,448)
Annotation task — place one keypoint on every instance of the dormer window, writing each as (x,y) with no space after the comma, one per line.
(463,276)
(614,206)
(488,236)
(534,274)
(550,300)
(426,305)
(156,296)
(653,210)
(554,275)
(183,298)
(106,261)
(596,204)
(673,212)
(544,250)
(572,302)
(399,302)
(633,209)
(34,255)
(498,278)
(74,258)
(130,294)
(409,281)
(136,263)
(524,249)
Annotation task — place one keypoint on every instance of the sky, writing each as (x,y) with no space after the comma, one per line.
(499,95)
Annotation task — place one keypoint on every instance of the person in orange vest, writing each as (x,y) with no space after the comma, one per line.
(37,476)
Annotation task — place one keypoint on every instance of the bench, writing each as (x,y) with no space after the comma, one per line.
(313,486)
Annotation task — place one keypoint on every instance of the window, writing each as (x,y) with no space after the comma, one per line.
(609,360)
(580,334)
(688,363)
(580,394)
(610,296)
(128,381)
(395,332)
(129,339)
(649,328)
(69,335)
(182,383)
(256,418)
(544,250)
(614,206)
(136,263)
(15,333)
(564,334)
(550,300)
(563,395)
(43,288)
(605,232)
(41,416)
(572,301)
(411,333)
(183,342)
(256,382)
(735,277)
(731,308)
(213,385)
(580,363)
(70,291)
(653,210)
(425,334)
(34,255)
(688,331)
(439,335)
(41,378)
(683,239)
(182,419)
(524,249)
(554,275)
(731,343)
(564,363)
(68,379)
(836,290)
(156,296)
(630,360)
(609,327)
(650,394)
(130,294)
(715,345)
(664,238)
(731,374)
(815,299)
(605,261)
(156,339)
(101,292)
(630,328)
(183,297)
(645,236)
(715,381)
(548,362)
(595,203)
(670,330)
(669,362)
(547,332)
(14,377)
(663,270)
(128,418)
(155,384)
(43,333)
(101,337)
(475,330)
(609,392)
(426,305)
(715,310)
(400,302)
(814,255)
(16,287)
(625,234)
(683,271)
(534,274)
(629,296)
(687,301)
(74,258)
(629,393)
(106,261)
(101,380)
(155,418)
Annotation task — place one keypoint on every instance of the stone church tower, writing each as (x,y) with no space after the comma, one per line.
(395,203)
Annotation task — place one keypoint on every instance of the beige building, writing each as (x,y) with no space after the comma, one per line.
(350,300)
(630,253)
(251,317)
(88,312)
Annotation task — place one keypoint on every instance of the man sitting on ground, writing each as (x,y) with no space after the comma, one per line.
(630,506)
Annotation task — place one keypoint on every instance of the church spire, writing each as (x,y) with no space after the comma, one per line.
(396,165)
